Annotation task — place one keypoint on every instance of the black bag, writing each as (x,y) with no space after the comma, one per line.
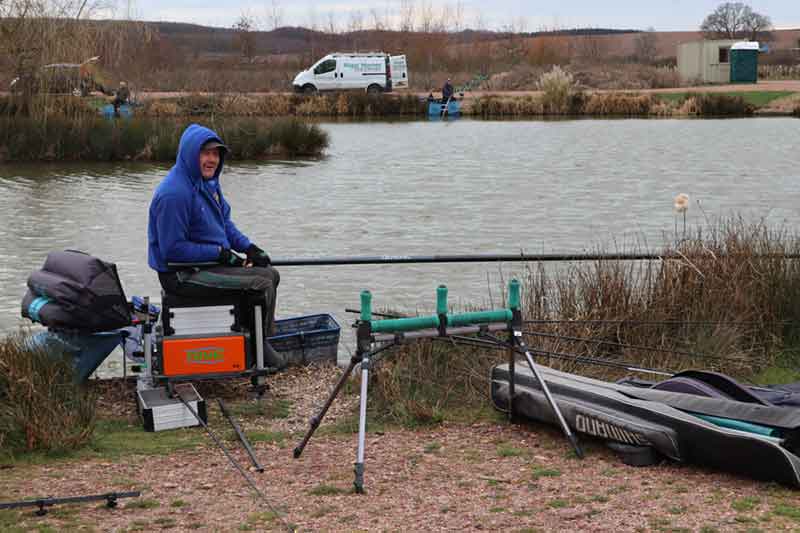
(76,291)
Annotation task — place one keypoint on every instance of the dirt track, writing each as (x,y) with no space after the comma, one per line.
(782,85)
(488,475)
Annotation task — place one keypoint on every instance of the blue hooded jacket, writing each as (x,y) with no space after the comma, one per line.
(186,224)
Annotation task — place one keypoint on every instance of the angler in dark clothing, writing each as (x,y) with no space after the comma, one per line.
(447,91)
(190,222)
(122,96)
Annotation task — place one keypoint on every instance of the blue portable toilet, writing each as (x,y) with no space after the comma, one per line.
(744,62)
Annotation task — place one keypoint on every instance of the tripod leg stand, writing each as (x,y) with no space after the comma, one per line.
(522,348)
(358,482)
(317,419)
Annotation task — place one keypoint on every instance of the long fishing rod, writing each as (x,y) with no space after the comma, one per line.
(657,322)
(469,258)
(483,258)
(634,346)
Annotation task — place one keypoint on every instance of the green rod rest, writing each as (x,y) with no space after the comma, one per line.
(479,317)
(513,294)
(366,306)
(405,324)
(441,300)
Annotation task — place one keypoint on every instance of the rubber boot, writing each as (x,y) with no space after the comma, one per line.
(273,358)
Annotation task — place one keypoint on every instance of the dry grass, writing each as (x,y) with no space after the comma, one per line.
(42,408)
(621,104)
(727,299)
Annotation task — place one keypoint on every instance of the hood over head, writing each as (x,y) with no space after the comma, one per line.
(192,140)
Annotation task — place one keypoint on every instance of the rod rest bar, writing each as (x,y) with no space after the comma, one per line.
(405,324)
(433,322)
(479,317)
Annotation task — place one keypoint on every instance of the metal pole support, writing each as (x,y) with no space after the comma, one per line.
(259,380)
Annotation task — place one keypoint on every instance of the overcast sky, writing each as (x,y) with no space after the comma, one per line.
(532,15)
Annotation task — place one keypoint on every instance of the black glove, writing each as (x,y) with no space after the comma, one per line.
(258,257)
(227,257)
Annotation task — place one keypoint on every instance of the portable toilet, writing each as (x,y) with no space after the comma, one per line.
(744,62)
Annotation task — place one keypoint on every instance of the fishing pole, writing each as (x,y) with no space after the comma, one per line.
(634,346)
(469,258)
(485,258)
(657,322)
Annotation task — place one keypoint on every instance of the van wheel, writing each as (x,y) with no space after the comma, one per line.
(374,89)
(309,89)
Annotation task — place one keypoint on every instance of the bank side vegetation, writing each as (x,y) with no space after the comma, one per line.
(727,300)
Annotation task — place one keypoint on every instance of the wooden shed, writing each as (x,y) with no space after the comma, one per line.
(705,61)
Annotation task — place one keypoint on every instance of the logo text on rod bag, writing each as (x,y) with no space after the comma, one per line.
(205,356)
(606,430)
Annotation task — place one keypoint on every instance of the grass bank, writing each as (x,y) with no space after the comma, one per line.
(92,138)
(620,104)
(342,105)
(754,98)
(558,101)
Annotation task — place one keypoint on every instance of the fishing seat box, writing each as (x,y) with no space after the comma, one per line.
(203,337)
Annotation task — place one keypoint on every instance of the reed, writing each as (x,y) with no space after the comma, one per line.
(619,104)
(42,407)
(97,139)
(345,104)
(729,301)
(556,87)
(718,105)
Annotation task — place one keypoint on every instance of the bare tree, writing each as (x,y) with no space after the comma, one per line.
(736,20)
(330,25)
(458,17)
(245,37)
(313,23)
(426,16)
(378,22)
(275,15)
(646,46)
(406,15)
(442,22)
(591,46)
(356,21)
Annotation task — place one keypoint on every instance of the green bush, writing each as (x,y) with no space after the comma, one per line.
(99,139)
(42,407)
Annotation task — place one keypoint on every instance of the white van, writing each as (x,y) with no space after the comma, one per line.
(372,72)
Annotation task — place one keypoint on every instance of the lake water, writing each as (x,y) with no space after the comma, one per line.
(416,188)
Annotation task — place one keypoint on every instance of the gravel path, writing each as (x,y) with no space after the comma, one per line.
(484,476)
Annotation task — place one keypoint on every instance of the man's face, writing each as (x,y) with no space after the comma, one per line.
(209,161)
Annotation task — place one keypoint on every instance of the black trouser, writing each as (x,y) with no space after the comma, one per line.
(252,284)
(117,103)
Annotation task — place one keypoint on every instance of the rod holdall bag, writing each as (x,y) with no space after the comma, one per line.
(76,291)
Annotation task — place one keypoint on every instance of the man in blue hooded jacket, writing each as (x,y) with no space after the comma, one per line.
(190,222)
